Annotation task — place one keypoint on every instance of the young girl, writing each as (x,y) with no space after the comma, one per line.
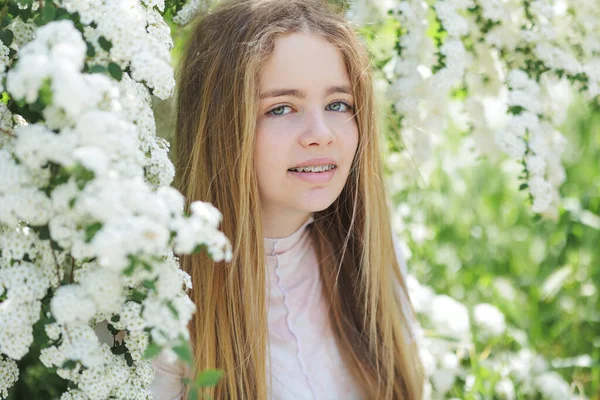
(276,128)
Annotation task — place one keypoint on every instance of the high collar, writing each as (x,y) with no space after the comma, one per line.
(278,246)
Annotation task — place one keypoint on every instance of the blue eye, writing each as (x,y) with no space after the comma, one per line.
(340,106)
(279,110)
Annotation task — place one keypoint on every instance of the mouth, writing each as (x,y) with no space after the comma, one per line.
(314,168)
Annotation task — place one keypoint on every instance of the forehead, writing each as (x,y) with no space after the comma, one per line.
(303,61)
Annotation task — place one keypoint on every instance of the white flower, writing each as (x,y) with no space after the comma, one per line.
(35,144)
(104,287)
(16,326)
(542,192)
(71,304)
(187,12)
(74,394)
(519,80)
(494,10)
(442,380)
(23,31)
(511,144)
(15,243)
(420,295)
(489,319)
(505,389)
(552,386)
(130,317)
(522,123)
(92,158)
(9,373)
(536,165)
(558,58)
(28,204)
(24,283)
(452,22)
(57,51)
(526,99)
(450,317)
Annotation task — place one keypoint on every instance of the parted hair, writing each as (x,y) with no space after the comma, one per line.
(217,110)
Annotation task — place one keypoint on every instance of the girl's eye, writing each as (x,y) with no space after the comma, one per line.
(280,110)
(340,106)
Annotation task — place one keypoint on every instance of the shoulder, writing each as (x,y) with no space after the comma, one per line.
(168,378)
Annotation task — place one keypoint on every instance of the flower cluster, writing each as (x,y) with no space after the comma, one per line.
(449,351)
(89,226)
(501,70)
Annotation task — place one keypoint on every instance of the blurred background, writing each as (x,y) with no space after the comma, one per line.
(470,238)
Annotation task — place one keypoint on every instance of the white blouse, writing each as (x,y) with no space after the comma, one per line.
(303,357)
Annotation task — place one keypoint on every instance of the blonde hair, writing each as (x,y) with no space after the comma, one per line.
(216,120)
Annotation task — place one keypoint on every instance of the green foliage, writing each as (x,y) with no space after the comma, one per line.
(485,246)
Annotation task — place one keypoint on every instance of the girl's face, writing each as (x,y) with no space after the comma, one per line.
(306,120)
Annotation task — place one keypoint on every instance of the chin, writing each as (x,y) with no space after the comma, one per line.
(317,203)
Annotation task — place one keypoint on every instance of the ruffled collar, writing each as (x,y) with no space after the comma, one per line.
(278,246)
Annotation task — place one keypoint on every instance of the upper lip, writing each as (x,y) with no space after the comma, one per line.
(316,161)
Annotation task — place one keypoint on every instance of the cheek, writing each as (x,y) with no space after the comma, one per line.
(269,157)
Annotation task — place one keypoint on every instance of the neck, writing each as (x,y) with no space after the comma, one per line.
(278,224)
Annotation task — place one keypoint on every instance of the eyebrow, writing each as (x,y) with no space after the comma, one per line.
(301,94)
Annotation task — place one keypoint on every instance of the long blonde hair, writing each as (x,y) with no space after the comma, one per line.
(216,121)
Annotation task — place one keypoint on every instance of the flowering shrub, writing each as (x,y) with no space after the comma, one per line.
(498,70)
(507,369)
(88,222)
(466,82)
(90,286)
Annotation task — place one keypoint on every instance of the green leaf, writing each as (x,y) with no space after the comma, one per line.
(48,12)
(44,96)
(152,351)
(113,331)
(193,393)
(91,230)
(137,296)
(115,71)
(120,349)
(104,43)
(82,176)
(148,284)
(5,21)
(97,69)
(69,364)
(209,377)
(129,359)
(42,231)
(130,268)
(198,249)
(184,351)
(172,308)
(523,186)
(7,37)
(91,52)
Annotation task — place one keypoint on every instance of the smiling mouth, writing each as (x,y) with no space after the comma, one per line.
(315,168)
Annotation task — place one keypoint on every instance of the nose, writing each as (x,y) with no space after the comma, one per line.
(317,131)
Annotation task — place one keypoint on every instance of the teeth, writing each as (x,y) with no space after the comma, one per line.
(316,168)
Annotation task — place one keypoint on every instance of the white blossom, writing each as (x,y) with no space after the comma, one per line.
(489,319)
(450,316)
(9,373)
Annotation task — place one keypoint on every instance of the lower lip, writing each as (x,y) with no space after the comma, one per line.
(315,177)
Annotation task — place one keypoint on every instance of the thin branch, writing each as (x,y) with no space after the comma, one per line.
(72,269)
(56,263)
(8,133)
